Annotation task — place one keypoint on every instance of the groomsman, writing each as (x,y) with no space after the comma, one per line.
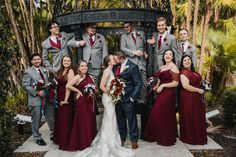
(132,43)
(56,44)
(94,49)
(31,76)
(184,47)
(162,41)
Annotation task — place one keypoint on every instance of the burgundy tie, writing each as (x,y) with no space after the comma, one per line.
(58,43)
(183,48)
(133,37)
(118,71)
(159,42)
(41,74)
(91,40)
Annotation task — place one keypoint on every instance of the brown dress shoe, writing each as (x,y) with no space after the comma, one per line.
(122,142)
(134,145)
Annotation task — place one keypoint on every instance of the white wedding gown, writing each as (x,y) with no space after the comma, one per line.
(107,142)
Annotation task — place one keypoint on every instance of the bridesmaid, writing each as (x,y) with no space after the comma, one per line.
(64,114)
(84,125)
(161,126)
(192,108)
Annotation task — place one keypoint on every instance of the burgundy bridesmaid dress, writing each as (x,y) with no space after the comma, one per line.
(161,126)
(64,116)
(192,112)
(84,125)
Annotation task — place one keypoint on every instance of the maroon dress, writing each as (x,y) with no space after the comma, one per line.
(63,117)
(161,126)
(84,125)
(192,112)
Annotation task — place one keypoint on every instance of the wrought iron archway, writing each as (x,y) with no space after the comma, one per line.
(75,21)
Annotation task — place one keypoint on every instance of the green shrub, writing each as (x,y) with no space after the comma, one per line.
(17,103)
(6,124)
(229,107)
(211,99)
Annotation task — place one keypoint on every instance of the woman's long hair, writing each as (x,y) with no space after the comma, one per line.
(62,69)
(163,57)
(106,60)
(181,63)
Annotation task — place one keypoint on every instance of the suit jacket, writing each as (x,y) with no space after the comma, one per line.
(30,77)
(133,81)
(168,43)
(127,46)
(191,51)
(57,53)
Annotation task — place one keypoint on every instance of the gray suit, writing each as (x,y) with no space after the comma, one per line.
(128,46)
(168,43)
(191,51)
(57,54)
(31,76)
(93,54)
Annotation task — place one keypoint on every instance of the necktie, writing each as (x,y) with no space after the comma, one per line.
(159,42)
(183,48)
(118,71)
(133,37)
(91,40)
(41,74)
(58,43)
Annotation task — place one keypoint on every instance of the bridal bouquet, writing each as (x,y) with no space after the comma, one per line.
(90,89)
(116,90)
(205,85)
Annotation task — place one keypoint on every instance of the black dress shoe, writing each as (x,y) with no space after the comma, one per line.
(41,142)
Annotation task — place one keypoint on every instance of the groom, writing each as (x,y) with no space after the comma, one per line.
(125,109)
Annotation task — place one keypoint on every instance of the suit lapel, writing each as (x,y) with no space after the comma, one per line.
(189,49)
(86,38)
(125,70)
(62,40)
(35,72)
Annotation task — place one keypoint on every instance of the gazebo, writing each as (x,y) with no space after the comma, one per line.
(73,19)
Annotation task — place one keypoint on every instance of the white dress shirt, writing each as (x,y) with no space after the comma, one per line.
(123,65)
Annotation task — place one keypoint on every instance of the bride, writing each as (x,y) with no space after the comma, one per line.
(107,143)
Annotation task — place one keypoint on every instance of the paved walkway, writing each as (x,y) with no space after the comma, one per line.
(145,149)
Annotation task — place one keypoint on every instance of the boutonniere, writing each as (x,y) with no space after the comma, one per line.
(138,34)
(165,39)
(126,68)
(45,70)
(98,36)
(100,41)
(189,47)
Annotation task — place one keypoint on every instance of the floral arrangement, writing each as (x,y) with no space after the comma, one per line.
(39,85)
(151,82)
(90,89)
(116,90)
(49,89)
(205,85)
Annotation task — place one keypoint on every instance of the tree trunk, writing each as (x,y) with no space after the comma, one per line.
(25,16)
(216,15)
(33,47)
(189,15)
(195,19)
(174,13)
(204,34)
(24,58)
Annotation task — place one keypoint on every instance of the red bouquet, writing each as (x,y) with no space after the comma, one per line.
(116,90)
